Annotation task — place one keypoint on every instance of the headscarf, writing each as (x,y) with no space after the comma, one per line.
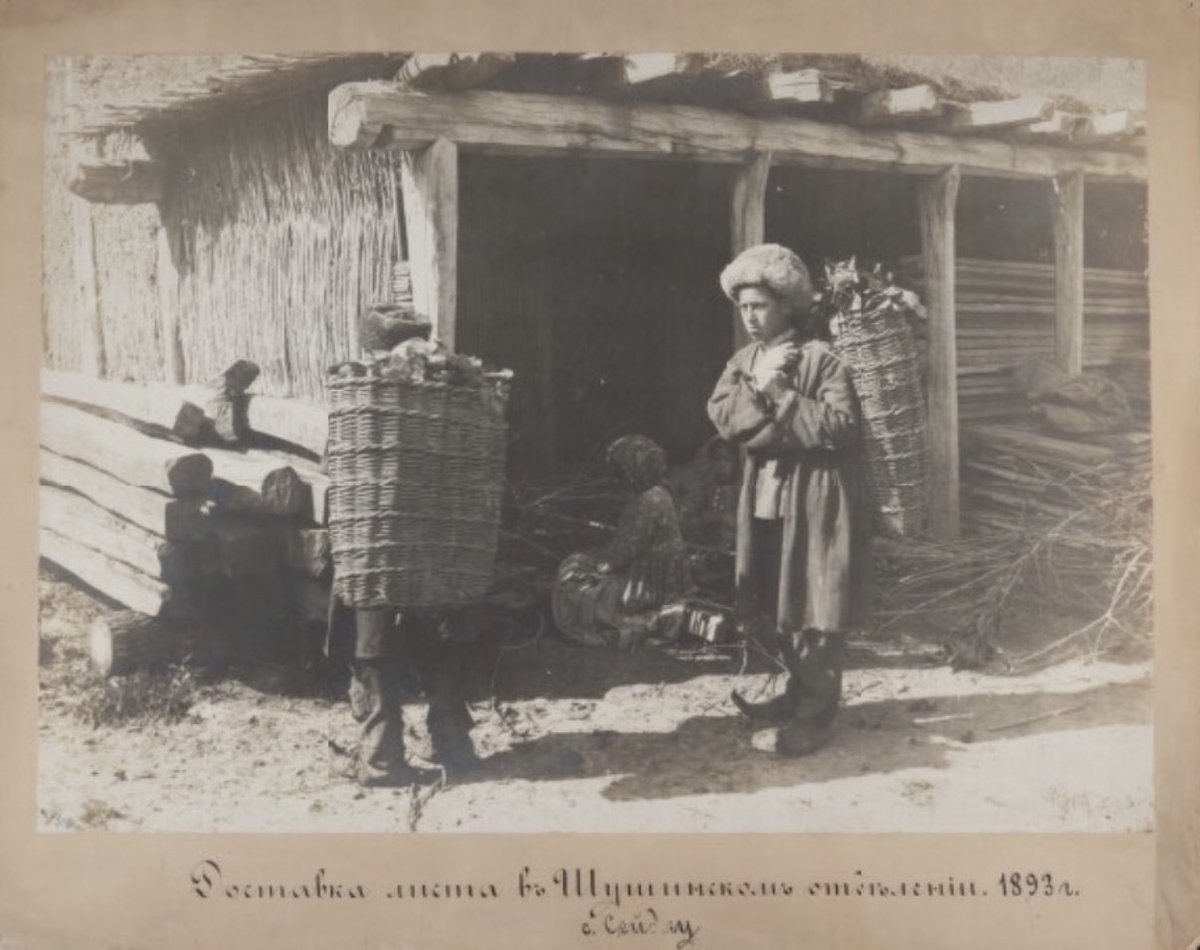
(774,267)
(641,461)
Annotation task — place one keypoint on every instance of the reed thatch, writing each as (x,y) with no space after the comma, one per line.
(127,291)
(281,241)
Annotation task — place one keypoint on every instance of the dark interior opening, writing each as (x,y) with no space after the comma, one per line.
(832,215)
(1115,233)
(595,281)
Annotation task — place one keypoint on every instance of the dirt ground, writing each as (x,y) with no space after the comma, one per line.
(587,740)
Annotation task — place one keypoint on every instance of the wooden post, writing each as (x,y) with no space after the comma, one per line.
(747,217)
(429,180)
(1068,272)
(91,335)
(936,201)
(545,315)
(168,309)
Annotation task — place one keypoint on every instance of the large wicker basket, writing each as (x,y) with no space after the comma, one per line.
(878,345)
(416,473)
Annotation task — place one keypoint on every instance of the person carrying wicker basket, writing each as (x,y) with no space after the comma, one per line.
(396,643)
(804,511)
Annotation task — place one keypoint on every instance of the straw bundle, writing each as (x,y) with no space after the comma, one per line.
(285,240)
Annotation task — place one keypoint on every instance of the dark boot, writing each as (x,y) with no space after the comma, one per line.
(818,671)
(450,725)
(381,759)
(780,708)
(444,661)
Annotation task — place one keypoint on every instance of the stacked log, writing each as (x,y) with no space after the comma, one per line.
(144,500)
(1005,316)
(213,414)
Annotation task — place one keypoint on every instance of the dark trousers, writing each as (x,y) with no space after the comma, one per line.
(813,658)
(394,654)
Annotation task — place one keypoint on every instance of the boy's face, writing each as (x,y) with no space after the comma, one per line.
(762,314)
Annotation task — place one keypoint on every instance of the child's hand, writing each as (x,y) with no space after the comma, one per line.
(776,388)
(777,361)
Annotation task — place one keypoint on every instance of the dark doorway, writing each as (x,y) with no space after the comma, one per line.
(595,280)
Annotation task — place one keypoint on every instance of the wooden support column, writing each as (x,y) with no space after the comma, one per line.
(429,181)
(167,276)
(91,336)
(936,202)
(1068,272)
(748,217)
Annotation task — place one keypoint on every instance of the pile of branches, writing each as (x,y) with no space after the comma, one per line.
(1095,559)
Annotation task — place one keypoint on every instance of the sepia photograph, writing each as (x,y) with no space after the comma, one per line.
(595,442)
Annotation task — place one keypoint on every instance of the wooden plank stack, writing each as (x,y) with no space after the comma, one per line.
(1005,315)
(1016,477)
(147,502)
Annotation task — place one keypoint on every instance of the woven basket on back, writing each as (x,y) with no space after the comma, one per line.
(878,345)
(416,473)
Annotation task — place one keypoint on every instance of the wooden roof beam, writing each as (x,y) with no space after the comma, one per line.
(802,87)
(451,70)
(1109,127)
(991,116)
(364,115)
(641,68)
(890,106)
(118,183)
(1063,126)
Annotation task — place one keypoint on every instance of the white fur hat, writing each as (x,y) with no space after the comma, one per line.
(772,266)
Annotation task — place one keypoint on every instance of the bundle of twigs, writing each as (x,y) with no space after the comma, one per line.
(1094,556)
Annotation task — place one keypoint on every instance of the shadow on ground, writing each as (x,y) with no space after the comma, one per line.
(876,737)
(553,668)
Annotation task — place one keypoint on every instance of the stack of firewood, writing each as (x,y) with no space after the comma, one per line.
(201,509)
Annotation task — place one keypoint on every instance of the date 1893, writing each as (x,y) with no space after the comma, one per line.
(1032,884)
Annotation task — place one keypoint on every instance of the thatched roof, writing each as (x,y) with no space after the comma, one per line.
(106,94)
(1088,101)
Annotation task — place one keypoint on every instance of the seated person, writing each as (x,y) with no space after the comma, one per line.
(632,587)
(706,491)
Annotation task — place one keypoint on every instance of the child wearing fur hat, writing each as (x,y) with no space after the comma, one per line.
(804,515)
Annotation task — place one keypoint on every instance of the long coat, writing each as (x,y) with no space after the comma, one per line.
(825,570)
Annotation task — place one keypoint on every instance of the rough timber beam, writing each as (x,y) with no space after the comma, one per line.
(429,181)
(936,200)
(986,116)
(365,115)
(1061,125)
(640,68)
(451,70)
(1112,126)
(803,87)
(1068,198)
(748,217)
(890,106)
